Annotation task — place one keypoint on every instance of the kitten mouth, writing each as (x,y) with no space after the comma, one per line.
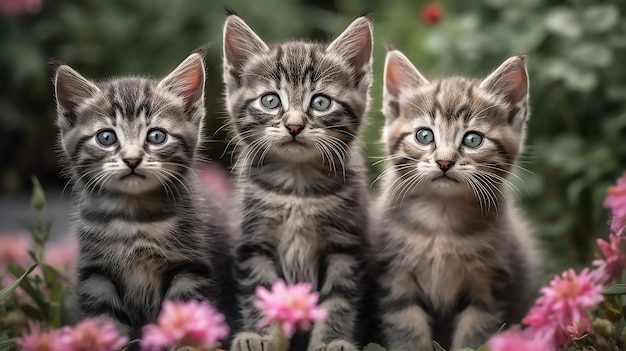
(132,174)
(445,178)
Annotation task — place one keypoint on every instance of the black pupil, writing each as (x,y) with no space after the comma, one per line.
(157,136)
(270,100)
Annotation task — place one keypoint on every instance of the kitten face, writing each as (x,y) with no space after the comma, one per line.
(131,135)
(454,135)
(297,101)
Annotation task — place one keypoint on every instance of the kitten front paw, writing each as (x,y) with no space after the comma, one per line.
(249,341)
(337,345)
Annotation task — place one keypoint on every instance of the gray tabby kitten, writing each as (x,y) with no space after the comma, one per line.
(296,110)
(147,230)
(457,262)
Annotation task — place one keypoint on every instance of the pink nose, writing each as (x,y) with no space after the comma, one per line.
(445,165)
(294,129)
(132,163)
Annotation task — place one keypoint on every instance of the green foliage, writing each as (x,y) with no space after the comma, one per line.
(5,293)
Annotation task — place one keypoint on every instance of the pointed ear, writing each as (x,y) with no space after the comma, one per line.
(510,81)
(400,75)
(240,41)
(355,45)
(187,80)
(71,89)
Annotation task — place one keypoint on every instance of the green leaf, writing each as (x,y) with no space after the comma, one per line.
(617,289)
(26,285)
(6,344)
(6,292)
(437,346)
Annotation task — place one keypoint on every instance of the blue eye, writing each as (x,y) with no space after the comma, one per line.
(106,137)
(270,101)
(156,136)
(424,136)
(472,140)
(321,103)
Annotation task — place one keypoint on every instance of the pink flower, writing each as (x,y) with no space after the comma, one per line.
(614,260)
(215,178)
(616,201)
(14,249)
(517,340)
(38,340)
(192,323)
(18,7)
(92,335)
(562,308)
(291,306)
(62,255)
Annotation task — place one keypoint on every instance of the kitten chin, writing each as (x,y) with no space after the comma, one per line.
(456,261)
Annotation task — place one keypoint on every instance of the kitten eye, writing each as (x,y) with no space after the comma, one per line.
(320,103)
(472,140)
(156,136)
(424,136)
(270,101)
(106,137)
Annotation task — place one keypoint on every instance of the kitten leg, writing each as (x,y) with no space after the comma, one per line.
(475,324)
(341,296)
(256,267)
(98,297)
(405,324)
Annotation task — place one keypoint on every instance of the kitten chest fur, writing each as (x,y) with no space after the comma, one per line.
(447,249)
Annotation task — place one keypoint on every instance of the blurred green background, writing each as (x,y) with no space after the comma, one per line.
(577,55)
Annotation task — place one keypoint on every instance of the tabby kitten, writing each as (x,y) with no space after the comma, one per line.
(457,262)
(147,230)
(296,110)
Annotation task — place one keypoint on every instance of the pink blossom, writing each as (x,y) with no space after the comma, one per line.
(18,7)
(38,340)
(614,260)
(14,249)
(290,306)
(92,335)
(616,201)
(562,308)
(215,178)
(62,255)
(192,323)
(517,340)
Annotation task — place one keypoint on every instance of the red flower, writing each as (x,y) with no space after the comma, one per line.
(431,13)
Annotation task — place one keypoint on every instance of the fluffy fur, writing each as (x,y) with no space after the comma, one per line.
(296,110)
(147,230)
(456,260)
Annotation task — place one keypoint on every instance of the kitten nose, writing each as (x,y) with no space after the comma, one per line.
(294,128)
(132,163)
(445,165)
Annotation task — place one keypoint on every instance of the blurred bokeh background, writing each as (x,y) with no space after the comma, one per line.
(577,63)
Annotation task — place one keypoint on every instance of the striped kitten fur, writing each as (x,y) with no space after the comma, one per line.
(147,230)
(296,111)
(456,260)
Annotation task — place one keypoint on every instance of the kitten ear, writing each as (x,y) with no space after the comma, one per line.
(400,75)
(187,80)
(71,89)
(240,41)
(355,45)
(510,81)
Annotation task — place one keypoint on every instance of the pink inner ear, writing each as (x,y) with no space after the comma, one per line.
(517,84)
(393,77)
(191,84)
